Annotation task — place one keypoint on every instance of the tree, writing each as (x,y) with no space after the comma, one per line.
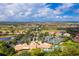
(33,52)
(23,53)
(36,52)
(1,33)
(67,38)
(46,34)
(6,49)
(71,48)
(73,31)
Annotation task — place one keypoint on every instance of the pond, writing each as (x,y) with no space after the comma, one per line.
(6,38)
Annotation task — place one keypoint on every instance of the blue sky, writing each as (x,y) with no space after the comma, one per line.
(42,12)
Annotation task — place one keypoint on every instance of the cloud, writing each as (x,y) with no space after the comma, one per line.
(2,18)
(63,8)
(32,12)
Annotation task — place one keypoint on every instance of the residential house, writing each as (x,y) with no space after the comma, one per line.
(32,45)
(76,38)
(53,40)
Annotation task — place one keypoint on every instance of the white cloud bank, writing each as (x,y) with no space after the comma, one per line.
(13,12)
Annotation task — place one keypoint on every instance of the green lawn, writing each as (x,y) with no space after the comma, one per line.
(7,35)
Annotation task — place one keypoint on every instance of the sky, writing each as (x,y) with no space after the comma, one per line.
(41,12)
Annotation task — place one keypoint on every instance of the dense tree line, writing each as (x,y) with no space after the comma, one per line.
(5,49)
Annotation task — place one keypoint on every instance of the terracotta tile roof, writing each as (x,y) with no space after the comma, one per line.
(32,45)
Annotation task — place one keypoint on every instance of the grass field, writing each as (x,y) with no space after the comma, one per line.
(43,31)
(3,36)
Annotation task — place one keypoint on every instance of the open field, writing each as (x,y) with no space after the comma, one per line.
(43,31)
(4,36)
